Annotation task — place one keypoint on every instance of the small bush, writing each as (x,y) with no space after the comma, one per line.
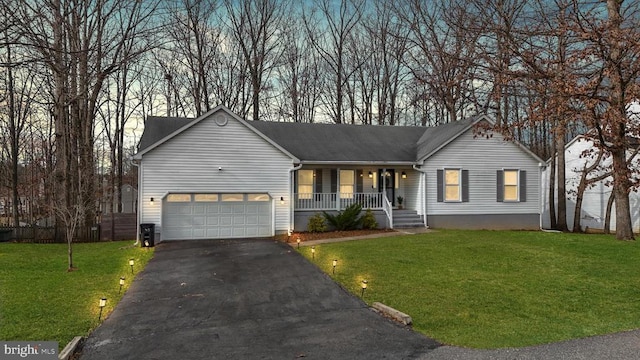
(349,219)
(369,221)
(317,223)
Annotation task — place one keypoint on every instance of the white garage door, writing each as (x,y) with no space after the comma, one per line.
(211,216)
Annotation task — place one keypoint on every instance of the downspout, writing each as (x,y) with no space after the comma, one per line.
(423,189)
(291,192)
(139,210)
(541,210)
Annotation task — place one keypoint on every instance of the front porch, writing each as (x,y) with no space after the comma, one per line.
(335,201)
(388,216)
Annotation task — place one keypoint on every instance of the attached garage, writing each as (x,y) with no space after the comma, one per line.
(216,216)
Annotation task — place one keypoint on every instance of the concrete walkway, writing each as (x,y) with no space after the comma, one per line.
(244,299)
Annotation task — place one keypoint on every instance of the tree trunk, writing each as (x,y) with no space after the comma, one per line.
(552,188)
(607,215)
(582,186)
(621,184)
(562,193)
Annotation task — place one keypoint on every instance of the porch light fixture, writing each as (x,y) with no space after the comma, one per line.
(364,287)
(281,200)
(151,201)
(313,252)
(335,262)
(370,175)
(101,304)
(131,262)
(404,175)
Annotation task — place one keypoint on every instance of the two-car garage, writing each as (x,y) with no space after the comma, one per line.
(216,215)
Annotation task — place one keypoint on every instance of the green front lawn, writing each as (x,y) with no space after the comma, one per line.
(40,300)
(491,289)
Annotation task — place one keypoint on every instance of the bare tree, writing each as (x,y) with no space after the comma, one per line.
(442,55)
(613,49)
(82,43)
(255,25)
(330,35)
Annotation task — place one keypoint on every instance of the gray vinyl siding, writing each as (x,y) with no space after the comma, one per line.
(189,163)
(482,158)
(412,191)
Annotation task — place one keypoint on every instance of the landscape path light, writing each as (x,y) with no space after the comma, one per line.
(121,284)
(364,287)
(313,252)
(131,262)
(335,262)
(298,241)
(102,304)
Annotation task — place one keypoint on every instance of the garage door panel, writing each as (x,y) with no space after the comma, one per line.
(226,220)
(239,209)
(198,220)
(202,219)
(199,209)
(226,209)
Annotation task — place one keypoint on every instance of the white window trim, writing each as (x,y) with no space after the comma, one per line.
(504,186)
(444,184)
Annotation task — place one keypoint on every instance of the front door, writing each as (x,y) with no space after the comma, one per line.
(386,184)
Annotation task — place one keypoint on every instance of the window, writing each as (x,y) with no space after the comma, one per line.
(232,197)
(452,185)
(305,184)
(205,197)
(258,197)
(179,198)
(511,185)
(347,182)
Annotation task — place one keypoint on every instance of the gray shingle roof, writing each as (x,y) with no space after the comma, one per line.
(343,143)
(334,142)
(157,128)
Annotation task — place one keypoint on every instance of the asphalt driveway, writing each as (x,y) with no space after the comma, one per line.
(244,299)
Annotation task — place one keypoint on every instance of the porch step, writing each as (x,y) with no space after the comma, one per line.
(407,219)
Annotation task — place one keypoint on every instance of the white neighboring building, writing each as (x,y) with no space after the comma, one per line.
(594,203)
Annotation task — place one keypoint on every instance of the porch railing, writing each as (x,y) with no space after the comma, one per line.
(331,201)
(388,210)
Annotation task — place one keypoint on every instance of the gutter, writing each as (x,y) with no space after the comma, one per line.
(291,209)
(134,163)
(424,189)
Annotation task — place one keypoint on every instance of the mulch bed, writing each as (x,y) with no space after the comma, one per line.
(307,236)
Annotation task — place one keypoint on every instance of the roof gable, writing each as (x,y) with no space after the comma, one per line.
(162,129)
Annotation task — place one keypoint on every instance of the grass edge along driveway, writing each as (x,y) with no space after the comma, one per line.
(493,289)
(40,300)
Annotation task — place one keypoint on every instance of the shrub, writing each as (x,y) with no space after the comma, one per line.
(369,221)
(317,223)
(349,219)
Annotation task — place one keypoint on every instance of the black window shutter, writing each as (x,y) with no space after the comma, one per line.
(334,180)
(295,182)
(439,185)
(359,181)
(523,186)
(318,179)
(465,185)
(500,186)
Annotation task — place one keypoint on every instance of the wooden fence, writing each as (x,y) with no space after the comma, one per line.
(119,226)
(45,235)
